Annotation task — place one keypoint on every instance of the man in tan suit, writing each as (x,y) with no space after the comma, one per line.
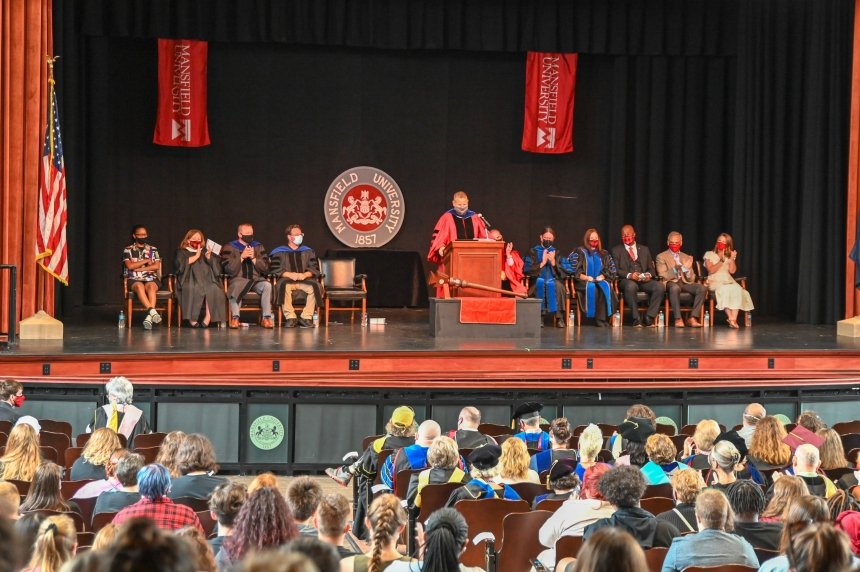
(678,271)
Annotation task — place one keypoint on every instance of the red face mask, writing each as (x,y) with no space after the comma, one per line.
(628,240)
(721,246)
(675,247)
(194,244)
(19,400)
(593,243)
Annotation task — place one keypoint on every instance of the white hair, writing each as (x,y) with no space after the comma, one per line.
(807,455)
(120,389)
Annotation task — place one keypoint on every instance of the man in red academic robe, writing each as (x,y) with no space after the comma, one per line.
(512,265)
(458,223)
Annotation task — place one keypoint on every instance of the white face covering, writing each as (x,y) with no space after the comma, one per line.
(297,240)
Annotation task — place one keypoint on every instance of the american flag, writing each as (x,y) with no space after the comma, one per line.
(51,251)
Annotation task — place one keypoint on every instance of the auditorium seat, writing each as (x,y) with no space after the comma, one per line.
(149,454)
(657,505)
(486,515)
(433,497)
(520,544)
(209,524)
(63,427)
(529,491)
(71,455)
(493,429)
(194,504)
(58,441)
(144,440)
(662,490)
(82,439)
(340,285)
(401,482)
(3,439)
(163,300)
(655,557)
(367,441)
(850,441)
(87,505)
(764,554)
(69,488)
(551,505)
(721,568)
(100,520)
(846,427)
(567,547)
(49,454)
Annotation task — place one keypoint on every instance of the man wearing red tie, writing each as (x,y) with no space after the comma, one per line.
(636,273)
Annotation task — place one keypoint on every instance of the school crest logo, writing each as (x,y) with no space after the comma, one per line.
(267,432)
(364,207)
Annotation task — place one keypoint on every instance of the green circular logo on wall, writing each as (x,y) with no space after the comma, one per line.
(267,432)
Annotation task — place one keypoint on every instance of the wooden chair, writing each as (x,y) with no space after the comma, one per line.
(101,519)
(850,441)
(82,439)
(607,429)
(687,430)
(678,441)
(71,455)
(657,505)
(49,454)
(567,547)
(380,461)
(365,443)
(4,438)
(686,300)
(846,427)
(852,456)
(76,518)
(570,294)
(145,440)
(529,491)
(520,540)
(434,497)
(641,304)
(6,426)
(494,429)
(401,481)
(56,427)
(22,486)
(69,488)
(194,504)
(58,441)
(163,300)
(341,284)
(550,505)
(836,474)
(87,505)
(210,525)
(742,280)
(655,557)
(149,454)
(86,538)
(486,515)
(721,568)
(662,490)
(667,430)
(251,302)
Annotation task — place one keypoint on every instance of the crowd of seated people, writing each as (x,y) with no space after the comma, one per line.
(759,507)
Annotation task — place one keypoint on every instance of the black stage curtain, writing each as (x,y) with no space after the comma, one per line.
(670,129)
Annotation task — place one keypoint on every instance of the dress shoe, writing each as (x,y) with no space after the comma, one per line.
(305,323)
(267,323)
(649,323)
(560,323)
(291,323)
(339,475)
(234,323)
(637,324)
(679,323)
(694,323)
(601,323)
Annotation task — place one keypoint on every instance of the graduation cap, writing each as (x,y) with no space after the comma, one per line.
(735,439)
(800,435)
(528,410)
(636,429)
(560,469)
(485,457)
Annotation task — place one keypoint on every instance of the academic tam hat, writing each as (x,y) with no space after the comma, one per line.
(636,429)
(485,457)
(528,410)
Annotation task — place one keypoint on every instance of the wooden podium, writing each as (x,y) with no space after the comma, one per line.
(476,261)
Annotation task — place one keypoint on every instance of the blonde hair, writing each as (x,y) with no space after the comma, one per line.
(10,499)
(386,516)
(460,195)
(831,450)
(22,456)
(443,453)
(767,445)
(168,450)
(785,490)
(101,446)
(105,537)
(714,511)
(660,449)
(514,461)
(705,434)
(687,483)
(55,543)
(590,443)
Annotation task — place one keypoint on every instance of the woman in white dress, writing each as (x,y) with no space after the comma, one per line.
(721,265)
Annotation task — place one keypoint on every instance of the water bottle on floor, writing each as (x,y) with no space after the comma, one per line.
(616,319)
(749,320)
(120,323)
(707,319)
(661,319)
(364,320)
(316,319)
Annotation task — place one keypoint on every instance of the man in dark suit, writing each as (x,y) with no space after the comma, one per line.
(636,272)
(11,399)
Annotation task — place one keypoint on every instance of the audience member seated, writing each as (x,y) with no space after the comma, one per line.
(849,523)
(840,502)
(44,492)
(783,492)
(263,480)
(400,432)
(332,521)
(831,450)
(767,450)
(168,450)
(527,420)
(809,419)
(127,470)
(593,269)
(196,463)
(562,482)
(411,457)
(11,399)
(485,468)
(269,560)
(590,444)
(443,460)
(623,488)
(724,459)
(225,502)
(559,435)
(466,435)
(55,544)
(820,547)
(109,483)
(323,556)
(803,512)
(744,469)
(264,521)
(616,442)
(609,549)
(10,556)
(199,289)
(27,530)
(10,501)
(714,544)
(105,537)
(571,518)
(92,464)
(119,414)
(634,433)
(303,498)
(747,501)
(141,545)
(444,539)
(514,464)
(753,413)
(686,485)
(22,456)
(661,463)
(805,465)
(153,484)
(387,520)
(698,447)
(203,558)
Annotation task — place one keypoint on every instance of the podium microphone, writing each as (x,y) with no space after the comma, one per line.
(486,222)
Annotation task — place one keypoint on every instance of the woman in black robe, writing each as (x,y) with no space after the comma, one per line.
(198,283)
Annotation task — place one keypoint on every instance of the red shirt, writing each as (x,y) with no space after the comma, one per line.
(164,512)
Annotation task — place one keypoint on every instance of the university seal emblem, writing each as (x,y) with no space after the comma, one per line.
(364,207)
(267,432)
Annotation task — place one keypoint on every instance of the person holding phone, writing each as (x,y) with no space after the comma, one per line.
(246,264)
(721,264)
(198,283)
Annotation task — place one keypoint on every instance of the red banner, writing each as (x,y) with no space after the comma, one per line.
(550,85)
(182,119)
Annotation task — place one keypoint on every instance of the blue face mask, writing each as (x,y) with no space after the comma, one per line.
(297,240)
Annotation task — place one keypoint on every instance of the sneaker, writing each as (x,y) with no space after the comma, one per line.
(339,475)
(291,323)
(303,323)
(154,316)
(147,323)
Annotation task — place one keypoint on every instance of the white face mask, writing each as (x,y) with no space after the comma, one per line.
(297,240)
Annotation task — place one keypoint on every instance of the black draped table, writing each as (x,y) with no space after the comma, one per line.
(395,278)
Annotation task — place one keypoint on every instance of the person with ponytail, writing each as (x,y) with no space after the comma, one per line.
(440,545)
(56,543)
(723,460)
(559,436)
(386,520)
